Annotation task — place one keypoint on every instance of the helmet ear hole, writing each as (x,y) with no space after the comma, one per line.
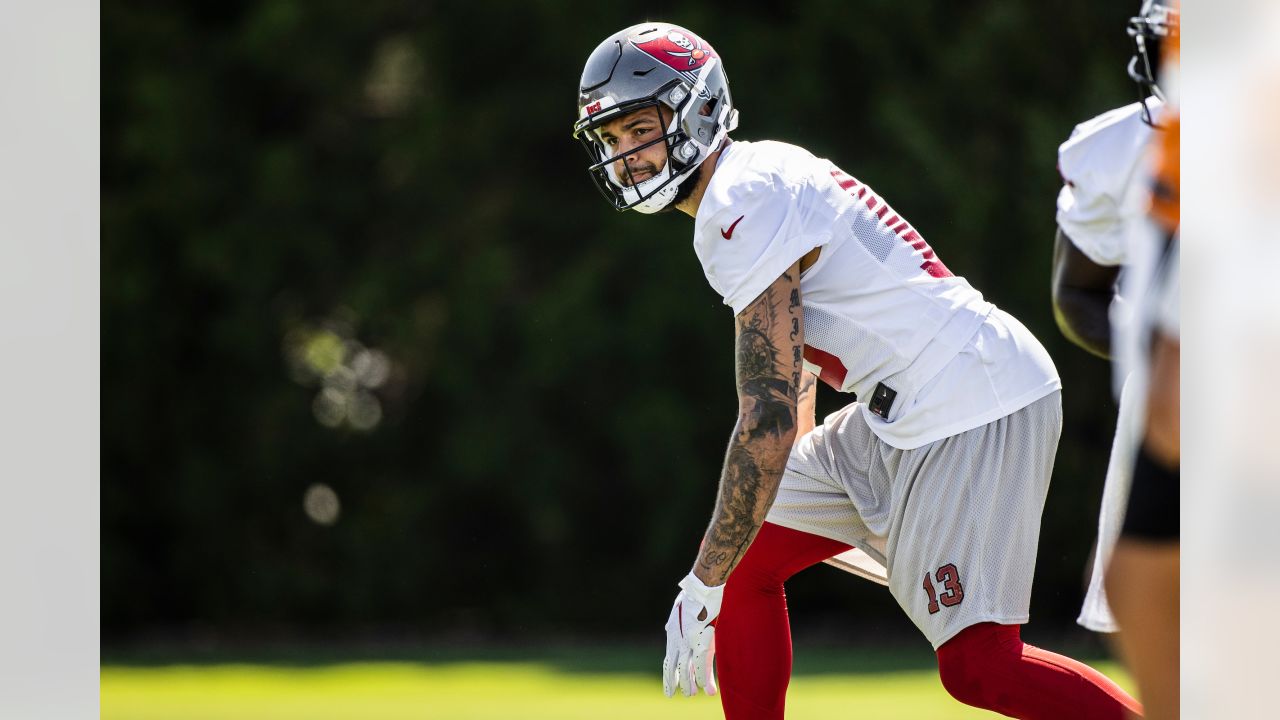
(709,107)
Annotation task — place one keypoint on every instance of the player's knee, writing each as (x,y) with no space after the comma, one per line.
(972,664)
(961,677)
(965,682)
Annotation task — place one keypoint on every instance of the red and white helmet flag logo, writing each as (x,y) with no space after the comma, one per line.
(678,49)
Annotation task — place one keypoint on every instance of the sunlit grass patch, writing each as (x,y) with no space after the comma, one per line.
(472,690)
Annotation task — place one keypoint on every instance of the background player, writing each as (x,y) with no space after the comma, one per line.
(1144,573)
(1101,228)
(940,472)
(1103,223)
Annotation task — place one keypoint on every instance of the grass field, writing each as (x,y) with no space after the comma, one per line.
(595,686)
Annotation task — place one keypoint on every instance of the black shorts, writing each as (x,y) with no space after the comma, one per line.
(1153,502)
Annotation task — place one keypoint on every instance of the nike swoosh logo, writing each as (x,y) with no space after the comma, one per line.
(728,234)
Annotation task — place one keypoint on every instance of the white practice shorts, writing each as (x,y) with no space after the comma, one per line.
(955,523)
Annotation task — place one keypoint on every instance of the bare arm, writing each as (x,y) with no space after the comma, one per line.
(769,350)
(1082,293)
(806,403)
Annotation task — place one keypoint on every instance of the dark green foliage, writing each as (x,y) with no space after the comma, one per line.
(401,173)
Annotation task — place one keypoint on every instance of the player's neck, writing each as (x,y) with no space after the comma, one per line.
(689,206)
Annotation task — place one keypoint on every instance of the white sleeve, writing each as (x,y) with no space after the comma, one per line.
(1091,220)
(1098,163)
(766,236)
(1088,210)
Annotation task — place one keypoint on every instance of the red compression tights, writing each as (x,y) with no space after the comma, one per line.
(986,665)
(753,636)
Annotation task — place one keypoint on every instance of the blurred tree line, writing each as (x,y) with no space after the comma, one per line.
(376,354)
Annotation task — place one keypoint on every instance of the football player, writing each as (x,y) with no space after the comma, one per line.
(939,466)
(1104,223)
(1144,574)
(1103,227)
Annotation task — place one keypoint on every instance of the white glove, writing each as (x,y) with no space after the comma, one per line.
(691,638)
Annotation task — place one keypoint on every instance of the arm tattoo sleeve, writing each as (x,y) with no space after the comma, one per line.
(770,342)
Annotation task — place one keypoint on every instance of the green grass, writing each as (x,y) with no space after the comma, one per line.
(500,689)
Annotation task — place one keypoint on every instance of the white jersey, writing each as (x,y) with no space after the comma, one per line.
(1100,198)
(1102,208)
(879,305)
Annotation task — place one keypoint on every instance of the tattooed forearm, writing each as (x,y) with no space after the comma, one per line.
(796,337)
(770,338)
(744,500)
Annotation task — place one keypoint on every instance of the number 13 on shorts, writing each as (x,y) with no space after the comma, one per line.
(952,591)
